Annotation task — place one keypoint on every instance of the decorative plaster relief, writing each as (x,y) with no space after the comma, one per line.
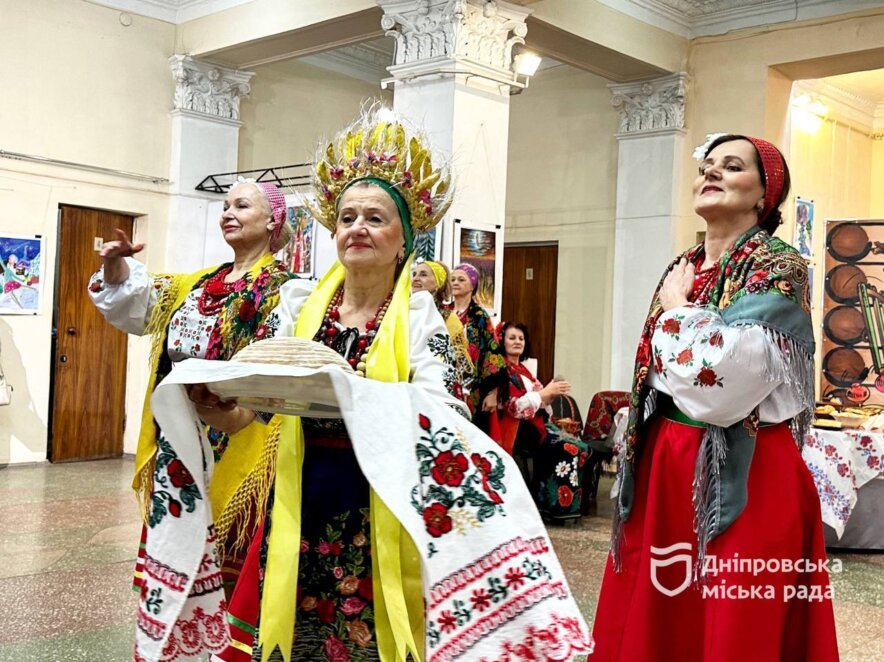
(207,88)
(650,105)
(478,30)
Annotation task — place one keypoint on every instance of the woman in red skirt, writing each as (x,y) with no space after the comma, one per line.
(717,552)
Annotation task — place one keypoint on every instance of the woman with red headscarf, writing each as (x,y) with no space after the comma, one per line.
(717,552)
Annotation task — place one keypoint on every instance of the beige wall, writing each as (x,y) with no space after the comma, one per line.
(75,81)
(740,82)
(291,107)
(831,164)
(876,201)
(561,184)
(81,87)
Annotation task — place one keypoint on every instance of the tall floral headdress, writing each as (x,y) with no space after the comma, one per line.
(381,149)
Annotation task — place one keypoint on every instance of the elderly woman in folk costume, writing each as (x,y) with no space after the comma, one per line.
(430,276)
(376,523)
(483,344)
(712,474)
(210,314)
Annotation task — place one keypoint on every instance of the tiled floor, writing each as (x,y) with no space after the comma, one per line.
(68,534)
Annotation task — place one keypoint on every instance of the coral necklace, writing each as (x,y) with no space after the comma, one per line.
(704,281)
(215,293)
(348,342)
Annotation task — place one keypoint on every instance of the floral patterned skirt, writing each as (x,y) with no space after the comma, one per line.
(558,474)
(335,608)
(335,616)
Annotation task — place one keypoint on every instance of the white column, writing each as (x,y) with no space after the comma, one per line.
(205,140)
(650,137)
(452,77)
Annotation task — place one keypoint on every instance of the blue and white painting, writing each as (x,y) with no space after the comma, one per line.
(21,257)
(804,227)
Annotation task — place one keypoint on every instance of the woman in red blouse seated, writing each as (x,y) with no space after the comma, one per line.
(548,458)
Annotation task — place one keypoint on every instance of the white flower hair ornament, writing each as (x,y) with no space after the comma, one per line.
(700,152)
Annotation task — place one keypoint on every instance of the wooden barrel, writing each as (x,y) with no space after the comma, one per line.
(843,367)
(842,281)
(848,242)
(844,325)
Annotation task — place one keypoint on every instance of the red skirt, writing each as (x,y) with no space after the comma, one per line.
(647,612)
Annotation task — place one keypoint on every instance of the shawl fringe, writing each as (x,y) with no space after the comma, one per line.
(787,362)
(167,287)
(251,496)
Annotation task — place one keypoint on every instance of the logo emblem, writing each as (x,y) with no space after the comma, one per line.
(668,557)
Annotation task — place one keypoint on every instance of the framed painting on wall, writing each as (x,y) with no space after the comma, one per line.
(300,254)
(482,247)
(22,261)
(804,227)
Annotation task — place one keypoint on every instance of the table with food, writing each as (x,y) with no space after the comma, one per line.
(845,454)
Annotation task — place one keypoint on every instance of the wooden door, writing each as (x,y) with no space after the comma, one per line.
(529,296)
(89,355)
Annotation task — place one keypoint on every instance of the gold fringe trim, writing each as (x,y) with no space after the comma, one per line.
(167,286)
(250,497)
(161,314)
(143,486)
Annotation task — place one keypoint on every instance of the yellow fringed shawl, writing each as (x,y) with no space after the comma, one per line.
(242,478)
(396,572)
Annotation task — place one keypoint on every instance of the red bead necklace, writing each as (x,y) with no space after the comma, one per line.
(215,293)
(704,281)
(343,342)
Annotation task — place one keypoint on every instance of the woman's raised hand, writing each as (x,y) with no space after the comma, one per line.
(677,285)
(120,247)
(112,254)
(553,390)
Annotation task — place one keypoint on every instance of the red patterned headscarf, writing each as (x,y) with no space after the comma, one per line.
(774,175)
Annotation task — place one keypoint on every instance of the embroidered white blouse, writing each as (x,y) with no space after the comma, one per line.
(526,406)
(127,305)
(717,373)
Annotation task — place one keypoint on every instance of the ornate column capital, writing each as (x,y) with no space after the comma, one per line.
(650,106)
(208,89)
(454,36)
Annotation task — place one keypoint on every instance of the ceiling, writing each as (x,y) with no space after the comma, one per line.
(688,18)
(868,85)
(856,97)
(698,18)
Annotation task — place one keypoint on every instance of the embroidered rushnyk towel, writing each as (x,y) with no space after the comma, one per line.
(493,586)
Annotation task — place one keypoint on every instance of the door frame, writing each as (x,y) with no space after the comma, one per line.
(53,330)
(53,333)
(547,243)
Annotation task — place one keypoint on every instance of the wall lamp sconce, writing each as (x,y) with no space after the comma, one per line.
(525,64)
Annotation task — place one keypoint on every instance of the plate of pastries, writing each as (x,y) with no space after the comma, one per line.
(833,415)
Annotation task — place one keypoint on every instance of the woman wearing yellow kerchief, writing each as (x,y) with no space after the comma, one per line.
(432,277)
(374,192)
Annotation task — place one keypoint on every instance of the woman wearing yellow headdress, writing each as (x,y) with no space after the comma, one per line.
(400,532)
(375,191)
(432,277)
